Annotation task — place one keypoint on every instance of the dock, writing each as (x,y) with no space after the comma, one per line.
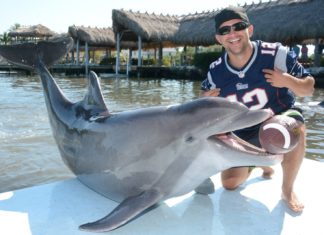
(67,69)
(254,208)
(109,71)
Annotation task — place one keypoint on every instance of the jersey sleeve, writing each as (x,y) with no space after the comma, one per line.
(208,83)
(287,62)
(294,67)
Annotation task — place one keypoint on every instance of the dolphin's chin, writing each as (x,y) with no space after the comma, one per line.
(233,141)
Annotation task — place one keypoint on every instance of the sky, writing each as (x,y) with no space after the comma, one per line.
(58,15)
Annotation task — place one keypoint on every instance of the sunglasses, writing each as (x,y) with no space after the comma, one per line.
(236,27)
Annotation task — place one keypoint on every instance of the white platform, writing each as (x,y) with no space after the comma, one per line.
(255,208)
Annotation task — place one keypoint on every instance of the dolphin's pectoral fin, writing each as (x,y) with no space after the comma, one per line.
(206,187)
(124,212)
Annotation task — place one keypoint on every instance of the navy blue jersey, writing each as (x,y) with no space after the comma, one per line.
(249,85)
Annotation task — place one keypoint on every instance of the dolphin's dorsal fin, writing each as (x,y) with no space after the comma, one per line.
(94,99)
(124,212)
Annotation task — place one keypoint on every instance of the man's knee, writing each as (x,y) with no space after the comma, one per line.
(230,184)
(234,177)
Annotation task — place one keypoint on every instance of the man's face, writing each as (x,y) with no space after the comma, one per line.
(235,42)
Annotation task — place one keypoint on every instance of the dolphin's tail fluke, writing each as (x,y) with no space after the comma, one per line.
(28,55)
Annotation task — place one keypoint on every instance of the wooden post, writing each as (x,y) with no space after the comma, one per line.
(160,54)
(127,65)
(185,55)
(139,57)
(108,53)
(86,58)
(117,52)
(130,55)
(155,53)
(78,52)
(317,56)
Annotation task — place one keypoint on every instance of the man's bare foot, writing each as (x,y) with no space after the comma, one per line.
(267,172)
(292,202)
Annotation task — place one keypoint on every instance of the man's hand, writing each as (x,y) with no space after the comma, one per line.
(300,87)
(213,92)
(277,78)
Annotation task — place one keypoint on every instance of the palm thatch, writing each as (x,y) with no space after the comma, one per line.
(152,28)
(93,36)
(286,21)
(35,31)
(97,37)
(196,29)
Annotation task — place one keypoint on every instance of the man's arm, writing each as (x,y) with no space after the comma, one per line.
(300,87)
(212,92)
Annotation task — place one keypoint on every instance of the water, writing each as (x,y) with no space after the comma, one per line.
(28,154)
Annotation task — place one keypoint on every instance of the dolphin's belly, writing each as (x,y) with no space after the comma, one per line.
(116,173)
(117,189)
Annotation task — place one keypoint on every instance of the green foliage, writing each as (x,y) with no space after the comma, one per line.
(203,60)
(112,61)
(108,61)
(15,26)
(149,61)
(166,62)
(4,38)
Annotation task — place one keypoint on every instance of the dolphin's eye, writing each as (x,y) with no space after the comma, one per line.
(189,139)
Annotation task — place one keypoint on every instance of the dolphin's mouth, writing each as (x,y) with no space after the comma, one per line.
(231,140)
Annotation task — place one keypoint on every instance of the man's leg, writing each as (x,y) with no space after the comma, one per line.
(267,172)
(234,177)
(290,167)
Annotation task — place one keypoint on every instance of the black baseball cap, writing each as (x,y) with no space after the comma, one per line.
(230,13)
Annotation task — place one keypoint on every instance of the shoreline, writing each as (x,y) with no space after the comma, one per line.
(178,72)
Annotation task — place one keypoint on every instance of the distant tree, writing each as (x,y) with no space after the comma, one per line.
(15,26)
(4,38)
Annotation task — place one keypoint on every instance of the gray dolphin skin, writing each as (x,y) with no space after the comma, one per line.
(143,156)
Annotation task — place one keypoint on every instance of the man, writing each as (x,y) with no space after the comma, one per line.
(259,75)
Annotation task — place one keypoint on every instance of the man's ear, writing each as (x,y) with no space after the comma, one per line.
(217,38)
(250,30)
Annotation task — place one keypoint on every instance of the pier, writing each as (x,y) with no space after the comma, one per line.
(109,71)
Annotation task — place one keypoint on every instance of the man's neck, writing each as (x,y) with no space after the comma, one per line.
(239,60)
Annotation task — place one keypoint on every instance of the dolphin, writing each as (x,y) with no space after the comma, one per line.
(143,156)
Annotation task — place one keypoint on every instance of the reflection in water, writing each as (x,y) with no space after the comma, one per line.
(249,214)
(28,153)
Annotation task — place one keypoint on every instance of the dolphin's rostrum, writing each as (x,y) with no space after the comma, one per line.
(143,156)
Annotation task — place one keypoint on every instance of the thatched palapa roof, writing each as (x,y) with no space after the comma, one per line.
(196,29)
(286,21)
(32,31)
(97,37)
(152,28)
(93,36)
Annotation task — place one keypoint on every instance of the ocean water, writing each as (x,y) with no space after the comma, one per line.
(28,153)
